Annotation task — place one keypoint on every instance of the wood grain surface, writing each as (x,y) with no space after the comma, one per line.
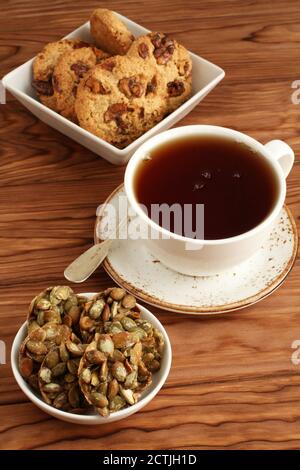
(232,384)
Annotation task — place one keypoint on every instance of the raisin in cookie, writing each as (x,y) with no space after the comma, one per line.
(112,101)
(109,33)
(69,70)
(172,62)
(43,67)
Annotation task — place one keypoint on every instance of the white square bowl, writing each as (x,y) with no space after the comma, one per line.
(205,77)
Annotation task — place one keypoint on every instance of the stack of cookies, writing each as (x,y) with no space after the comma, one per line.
(118,88)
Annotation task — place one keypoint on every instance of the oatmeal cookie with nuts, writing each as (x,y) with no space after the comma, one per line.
(43,67)
(173,66)
(114,103)
(71,67)
(109,32)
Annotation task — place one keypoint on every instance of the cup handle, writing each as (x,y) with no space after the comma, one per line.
(281,152)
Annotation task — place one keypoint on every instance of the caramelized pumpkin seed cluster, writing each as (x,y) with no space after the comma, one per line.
(36,346)
(81,353)
(58,377)
(57,304)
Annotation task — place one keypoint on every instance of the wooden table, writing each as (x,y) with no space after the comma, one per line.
(232,383)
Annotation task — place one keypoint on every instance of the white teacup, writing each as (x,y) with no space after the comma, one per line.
(206,257)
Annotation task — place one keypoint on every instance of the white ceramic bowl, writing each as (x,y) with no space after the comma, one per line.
(205,77)
(159,379)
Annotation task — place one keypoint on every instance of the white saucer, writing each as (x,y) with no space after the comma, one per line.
(130,265)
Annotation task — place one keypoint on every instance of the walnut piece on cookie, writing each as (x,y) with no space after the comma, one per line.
(71,67)
(110,33)
(44,64)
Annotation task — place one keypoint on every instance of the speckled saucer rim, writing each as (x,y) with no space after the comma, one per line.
(190,309)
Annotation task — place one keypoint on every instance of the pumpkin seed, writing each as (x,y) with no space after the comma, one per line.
(103,411)
(43,304)
(60,293)
(36,347)
(45,375)
(39,334)
(96,309)
(136,354)
(104,371)
(60,401)
(102,388)
(128,301)
(32,326)
(128,395)
(113,389)
(99,400)
(73,396)
(40,319)
(106,313)
(147,358)
(117,293)
(95,357)
(123,340)
(72,301)
(67,321)
(114,309)
(154,366)
(52,388)
(95,381)
(146,326)
(106,345)
(116,403)
(26,366)
(115,327)
(143,371)
(33,381)
(72,366)
(128,324)
(86,324)
(75,349)
(86,375)
(64,355)
(139,334)
(74,313)
(69,378)
(131,380)
(118,356)
(59,369)
(119,371)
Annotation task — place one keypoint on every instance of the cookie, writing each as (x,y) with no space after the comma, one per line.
(69,70)
(173,64)
(43,67)
(113,101)
(110,33)
(127,95)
